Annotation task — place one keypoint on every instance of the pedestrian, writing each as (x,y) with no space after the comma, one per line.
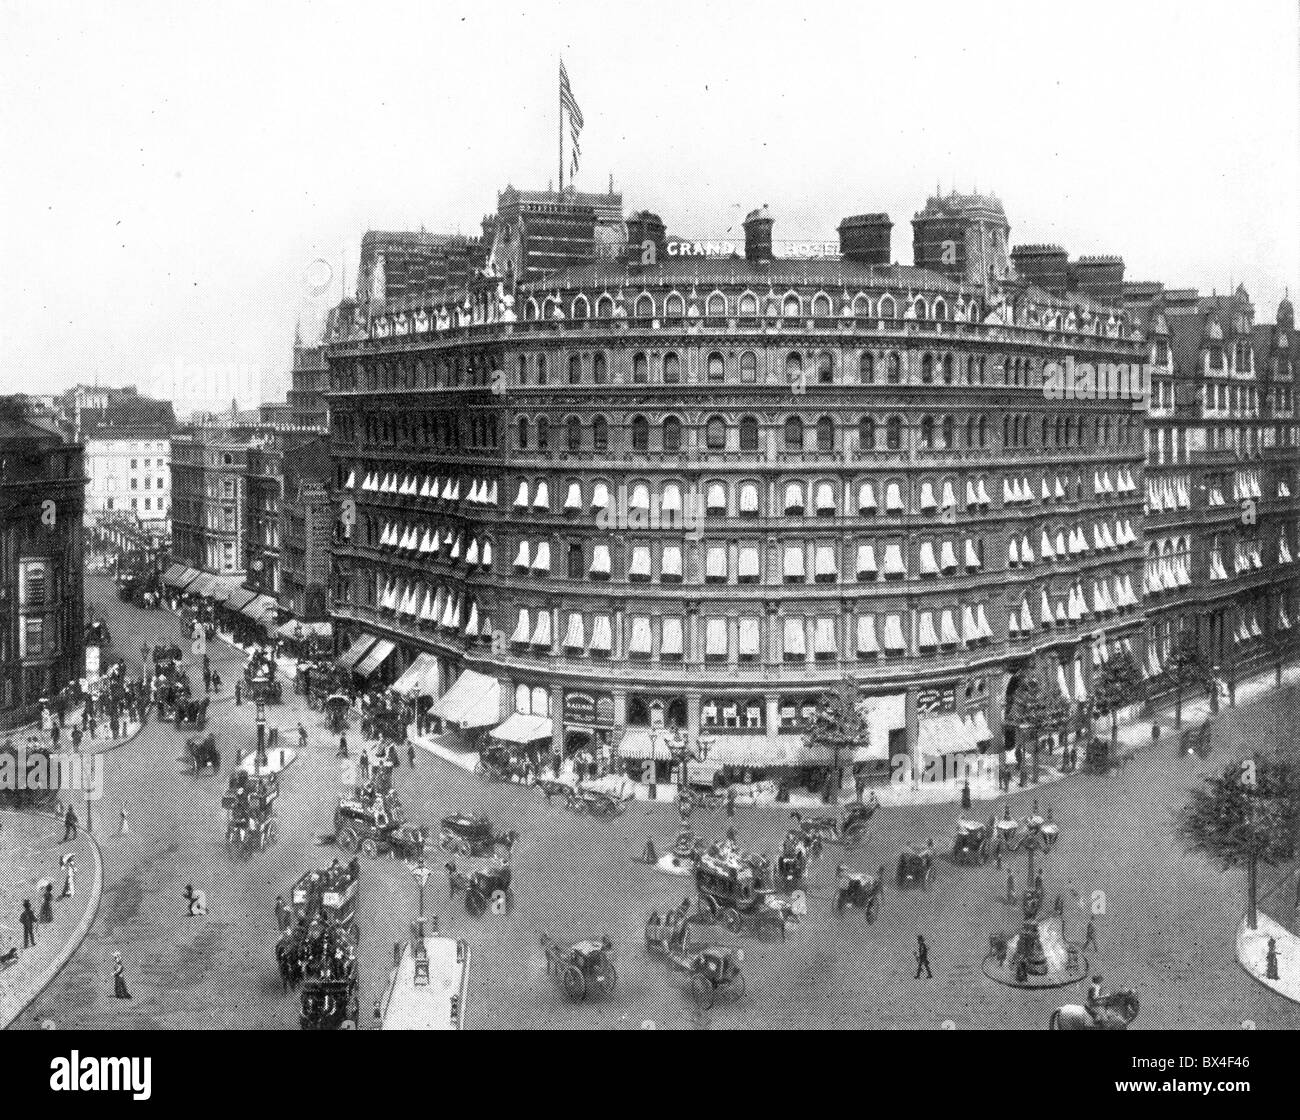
(1038,883)
(1090,937)
(393,761)
(922,955)
(365,765)
(410,755)
(302,735)
(47,903)
(239,693)
(85,715)
(731,802)
(69,825)
(54,735)
(27,920)
(1271,960)
(119,978)
(113,725)
(125,821)
(207,680)
(69,865)
(343,746)
(76,737)
(648,853)
(93,727)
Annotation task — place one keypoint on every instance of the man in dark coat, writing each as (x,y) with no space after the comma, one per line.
(922,955)
(69,825)
(28,921)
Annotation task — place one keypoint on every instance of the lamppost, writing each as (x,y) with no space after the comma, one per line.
(421,875)
(679,748)
(1037,839)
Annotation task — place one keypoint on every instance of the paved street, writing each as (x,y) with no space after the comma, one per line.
(1167,932)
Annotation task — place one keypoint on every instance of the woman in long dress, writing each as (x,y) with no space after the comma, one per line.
(119,978)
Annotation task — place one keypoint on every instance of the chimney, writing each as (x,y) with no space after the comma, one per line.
(758,235)
(865,238)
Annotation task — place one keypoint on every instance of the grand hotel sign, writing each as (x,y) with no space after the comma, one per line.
(719,249)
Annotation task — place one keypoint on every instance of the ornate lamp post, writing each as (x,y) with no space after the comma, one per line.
(421,876)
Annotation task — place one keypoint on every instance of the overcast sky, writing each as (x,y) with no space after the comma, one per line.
(170,171)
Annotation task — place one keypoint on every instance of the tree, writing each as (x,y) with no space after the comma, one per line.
(1247,813)
(1036,712)
(840,722)
(1187,665)
(1117,685)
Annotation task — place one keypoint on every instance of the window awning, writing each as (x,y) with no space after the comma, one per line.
(174,576)
(376,657)
(642,743)
(670,638)
(204,585)
(413,679)
(522,729)
(356,650)
(473,701)
(760,752)
(258,607)
(945,734)
(300,631)
(224,587)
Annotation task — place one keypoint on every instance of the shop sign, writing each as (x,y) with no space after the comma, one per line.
(584,707)
(932,701)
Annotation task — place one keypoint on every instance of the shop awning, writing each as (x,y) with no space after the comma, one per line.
(356,651)
(945,734)
(376,657)
(257,607)
(300,631)
(225,587)
(413,679)
(178,575)
(760,752)
(203,585)
(473,701)
(523,730)
(641,742)
(239,598)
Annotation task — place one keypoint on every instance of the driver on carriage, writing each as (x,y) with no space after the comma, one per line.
(1095,1003)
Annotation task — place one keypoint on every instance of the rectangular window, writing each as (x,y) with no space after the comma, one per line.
(33,637)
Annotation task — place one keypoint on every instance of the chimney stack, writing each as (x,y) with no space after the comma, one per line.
(758,235)
(865,239)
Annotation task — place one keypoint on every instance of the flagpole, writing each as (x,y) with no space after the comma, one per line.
(560,95)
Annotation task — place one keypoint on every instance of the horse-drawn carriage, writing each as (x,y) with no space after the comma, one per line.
(915,868)
(973,844)
(97,634)
(496,764)
(1112,1012)
(337,706)
(792,862)
(861,891)
(243,786)
(384,724)
(849,831)
(374,823)
(250,816)
(191,712)
(483,888)
(714,970)
(584,968)
(470,835)
(732,891)
(201,753)
(318,949)
(690,799)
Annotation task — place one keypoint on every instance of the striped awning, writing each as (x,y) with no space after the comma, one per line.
(301,631)
(413,679)
(224,588)
(356,650)
(473,701)
(945,734)
(642,742)
(178,575)
(239,598)
(378,654)
(204,585)
(761,752)
(258,607)
(522,729)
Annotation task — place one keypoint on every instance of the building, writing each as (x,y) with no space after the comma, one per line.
(396,267)
(209,472)
(1221,484)
(693,493)
(310,382)
(306,529)
(42,481)
(128,473)
(537,233)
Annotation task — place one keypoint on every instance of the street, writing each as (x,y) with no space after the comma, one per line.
(1167,928)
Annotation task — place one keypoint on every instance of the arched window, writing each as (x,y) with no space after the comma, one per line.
(522,375)
(573,433)
(1042,439)
(927,369)
(598,372)
(940,309)
(947,369)
(523,433)
(793,434)
(604,307)
(748,306)
(674,307)
(575,369)
(640,434)
(715,434)
(983,431)
(866,369)
(640,370)
(825,368)
(794,368)
(970,370)
(549,308)
(791,308)
(541,369)
(541,701)
(918,308)
(821,306)
(888,309)
(947,433)
(825,434)
(895,373)
(672,369)
(645,307)
(580,307)
(748,433)
(717,369)
(927,433)
(530,310)
(894,433)
(672,433)
(970,431)
(717,306)
(543,433)
(861,306)
(1069,430)
(748,368)
(600,434)
(867,433)
(1058,441)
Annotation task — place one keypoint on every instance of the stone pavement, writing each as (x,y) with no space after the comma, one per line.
(1252,954)
(29,853)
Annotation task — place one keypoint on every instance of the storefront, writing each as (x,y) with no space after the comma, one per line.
(589,726)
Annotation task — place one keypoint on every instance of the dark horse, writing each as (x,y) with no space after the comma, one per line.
(289,961)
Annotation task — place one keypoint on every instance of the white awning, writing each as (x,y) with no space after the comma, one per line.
(643,743)
(670,563)
(473,701)
(640,641)
(945,734)
(793,632)
(599,560)
(573,499)
(600,496)
(574,637)
(927,637)
(825,498)
(640,565)
(749,498)
(672,498)
(894,640)
(983,498)
(947,557)
(716,501)
(826,565)
(866,560)
(1080,692)
(884,715)
(377,656)
(522,557)
(542,630)
(866,497)
(523,628)
(893,498)
(867,644)
(521,496)
(542,497)
(792,564)
(1026,616)
(601,633)
(927,496)
(793,497)
(947,628)
(670,637)
(716,562)
(412,680)
(982,622)
(749,637)
(715,637)
(1026,551)
(949,498)
(824,640)
(970,631)
(542,558)
(747,562)
(894,565)
(640,496)
(522,729)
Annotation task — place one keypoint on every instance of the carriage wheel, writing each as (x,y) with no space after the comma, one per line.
(706,908)
(736,985)
(605,978)
(347,841)
(475,903)
(702,991)
(575,984)
(369,847)
(731,920)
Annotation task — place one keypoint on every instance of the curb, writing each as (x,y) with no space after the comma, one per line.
(55,966)
(1238,949)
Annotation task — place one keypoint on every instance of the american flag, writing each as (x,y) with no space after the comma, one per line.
(575,115)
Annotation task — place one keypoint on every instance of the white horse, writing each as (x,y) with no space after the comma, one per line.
(1118,1010)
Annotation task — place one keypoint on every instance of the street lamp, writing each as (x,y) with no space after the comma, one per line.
(421,876)
(679,748)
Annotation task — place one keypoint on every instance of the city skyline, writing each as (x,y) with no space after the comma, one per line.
(199,270)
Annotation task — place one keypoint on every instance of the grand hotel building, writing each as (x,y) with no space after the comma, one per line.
(659,489)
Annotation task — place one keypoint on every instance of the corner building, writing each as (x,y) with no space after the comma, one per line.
(695,493)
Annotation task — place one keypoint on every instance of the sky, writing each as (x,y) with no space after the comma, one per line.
(172,174)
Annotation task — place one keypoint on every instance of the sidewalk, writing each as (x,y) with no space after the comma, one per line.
(29,853)
(1252,955)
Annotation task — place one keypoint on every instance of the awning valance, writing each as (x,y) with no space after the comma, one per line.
(761,752)
(523,730)
(356,650)
(203,585)
(257,607)
(376,657)
(945,734)
(473,701)
(172,577)
(642,742)
(413,678)
(225,587)
(239,598)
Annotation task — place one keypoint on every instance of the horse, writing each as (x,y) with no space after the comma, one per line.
(1118,1009)
(289,962)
